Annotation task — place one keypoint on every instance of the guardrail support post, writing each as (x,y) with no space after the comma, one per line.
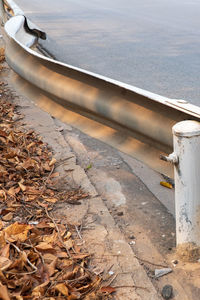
(186,135)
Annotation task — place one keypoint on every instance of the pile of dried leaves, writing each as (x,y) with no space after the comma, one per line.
(39,258)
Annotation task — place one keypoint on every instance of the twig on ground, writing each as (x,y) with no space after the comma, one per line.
(151,263)
(79,233)
(131,286)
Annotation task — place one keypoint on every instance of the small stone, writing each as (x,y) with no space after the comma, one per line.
(131,237)
(132,243)
(59,129)
(167,292)
(111,273)
(175,262)
(120,213)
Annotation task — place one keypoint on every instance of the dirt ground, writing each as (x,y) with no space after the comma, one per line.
(120,233)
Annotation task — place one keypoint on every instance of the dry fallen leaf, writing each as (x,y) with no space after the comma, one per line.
(51,200)
(44,247)
(52,162)
(5,251)
(8,217)
(61,288)
(17,232)
(22,187)
(5,263)
(108,289)
(4,292)
(68,244)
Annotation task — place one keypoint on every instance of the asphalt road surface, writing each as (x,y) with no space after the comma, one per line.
(154,45)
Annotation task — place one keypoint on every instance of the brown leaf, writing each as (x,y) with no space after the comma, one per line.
(51,267)
(74,296)
(5,251)
(51,200)
(49,257)
(1,225)
(30,145)
(68,244)
(61,288)
(3,194)
(108,289)
(56,174)
(38,291)
(43,225)
(2,277)
(46,167)
(80,256)
(29,163)
(44,246)
(5,263)
(3,133)
(18,297)
(2,239)
(11,137)
(22,187)
(17,232)
(52,162)
(43,273)
(8,217)
(12,191)
(32,256)
(94,284)
(4,292)
(18,264)
(32,191)
(51,239)
(68,235)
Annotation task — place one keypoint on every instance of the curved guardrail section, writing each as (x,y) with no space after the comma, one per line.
(149,117)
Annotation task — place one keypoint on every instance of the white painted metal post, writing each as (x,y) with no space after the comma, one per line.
(186,136)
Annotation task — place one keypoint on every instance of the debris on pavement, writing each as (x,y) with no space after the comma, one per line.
(174,262)
(168,179)
(162,272)
(167,292)
(166,184)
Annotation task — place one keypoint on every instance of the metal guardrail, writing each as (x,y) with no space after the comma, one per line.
(147,117)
